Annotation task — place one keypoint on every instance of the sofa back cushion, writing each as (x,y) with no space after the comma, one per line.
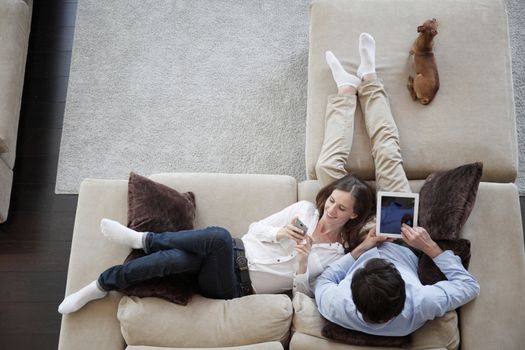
(233,201)
(206,322)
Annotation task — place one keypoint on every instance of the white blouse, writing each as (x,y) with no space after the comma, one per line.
(273,264)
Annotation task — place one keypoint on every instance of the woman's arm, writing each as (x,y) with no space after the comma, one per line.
(278,226)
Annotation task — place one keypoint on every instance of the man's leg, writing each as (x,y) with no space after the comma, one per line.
(380,124)
(339,125)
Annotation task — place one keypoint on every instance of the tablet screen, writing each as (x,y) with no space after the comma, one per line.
(395,211)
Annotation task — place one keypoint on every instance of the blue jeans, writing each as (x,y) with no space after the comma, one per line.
(208,253)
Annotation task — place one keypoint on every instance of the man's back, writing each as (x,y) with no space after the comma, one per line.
(334,296)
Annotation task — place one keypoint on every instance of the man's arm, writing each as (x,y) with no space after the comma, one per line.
(443,296)
(333,302)
(338,269)
(333,293)
(459,289)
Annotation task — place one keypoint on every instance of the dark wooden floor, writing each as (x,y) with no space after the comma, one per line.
(36,239)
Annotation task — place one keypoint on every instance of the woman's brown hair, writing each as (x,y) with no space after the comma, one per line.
(363,206)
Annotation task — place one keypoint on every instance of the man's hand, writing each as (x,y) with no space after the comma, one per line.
(371,241)
(291,232)
(419,238)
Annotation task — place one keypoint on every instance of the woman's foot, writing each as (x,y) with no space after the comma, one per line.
(367,52)
(77,300)
(346,83)
(121,234)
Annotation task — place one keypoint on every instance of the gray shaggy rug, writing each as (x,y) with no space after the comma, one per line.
(185,86)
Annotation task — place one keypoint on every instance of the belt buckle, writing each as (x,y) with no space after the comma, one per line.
(242,262)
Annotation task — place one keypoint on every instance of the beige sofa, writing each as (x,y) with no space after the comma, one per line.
(463,124)
(268,320)
(15,24)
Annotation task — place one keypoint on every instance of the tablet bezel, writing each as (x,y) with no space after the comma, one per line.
(380,196)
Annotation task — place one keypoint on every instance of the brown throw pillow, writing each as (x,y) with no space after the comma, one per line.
(445,203)
(153,207)
(348,336)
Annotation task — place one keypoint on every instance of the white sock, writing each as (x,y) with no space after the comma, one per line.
(367,51)
(341,76)
(121,234)
(76,300)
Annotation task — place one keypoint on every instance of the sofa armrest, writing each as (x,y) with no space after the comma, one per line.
(95,326)
(496,318)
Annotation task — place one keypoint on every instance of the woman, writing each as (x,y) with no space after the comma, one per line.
(280,255)
(278,252)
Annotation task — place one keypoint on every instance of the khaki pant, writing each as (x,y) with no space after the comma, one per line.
(381,129)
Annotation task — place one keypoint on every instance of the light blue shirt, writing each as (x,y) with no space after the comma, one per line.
(334,296)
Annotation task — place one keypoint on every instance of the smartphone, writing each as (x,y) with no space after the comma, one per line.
(299,224)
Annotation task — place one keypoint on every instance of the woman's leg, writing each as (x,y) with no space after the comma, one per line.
(339,125)
(216,276)
(380,124)
(158,264)
(208,252)
(179,251)
(161,263)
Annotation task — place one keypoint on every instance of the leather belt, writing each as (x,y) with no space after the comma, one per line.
(241,267)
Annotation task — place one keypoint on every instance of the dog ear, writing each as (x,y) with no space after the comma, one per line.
(420,29)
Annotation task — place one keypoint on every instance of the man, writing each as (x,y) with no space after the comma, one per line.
(375,289)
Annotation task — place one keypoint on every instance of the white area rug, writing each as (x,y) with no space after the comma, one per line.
(200,86)
(185,85)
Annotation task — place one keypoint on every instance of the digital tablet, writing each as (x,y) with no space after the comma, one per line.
(395,209)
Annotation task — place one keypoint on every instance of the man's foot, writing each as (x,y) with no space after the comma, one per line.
(77,300)
(342,78)
(121,234)
(367,52)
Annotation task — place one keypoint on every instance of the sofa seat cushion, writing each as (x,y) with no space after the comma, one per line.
(441,332)
(206,322)
(463,124)
(495,231)
(228,200)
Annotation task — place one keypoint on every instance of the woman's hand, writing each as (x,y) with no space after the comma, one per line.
(291,232)
(419,238)
(303,251)
(372,240)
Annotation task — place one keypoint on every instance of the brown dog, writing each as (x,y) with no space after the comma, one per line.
(426,83)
